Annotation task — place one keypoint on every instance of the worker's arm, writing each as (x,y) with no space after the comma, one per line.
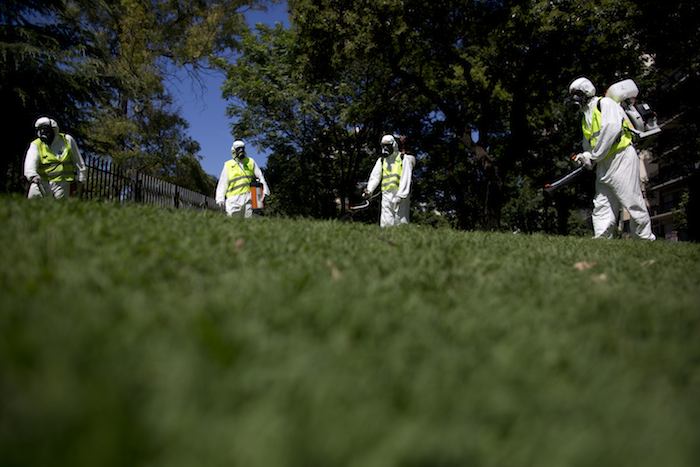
(31,162)
(259,175)
(77,159)
(375,177)
(406,175)
(222,186)
(610,128)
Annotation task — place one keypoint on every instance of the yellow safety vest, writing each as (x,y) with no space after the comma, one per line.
(239,178)
(592,131)
(391,174)
(54,167)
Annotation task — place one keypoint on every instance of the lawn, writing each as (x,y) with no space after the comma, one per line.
(139,336)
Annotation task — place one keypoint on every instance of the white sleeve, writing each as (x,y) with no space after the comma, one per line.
(258,173)
(406,175)
(77,158)
(375,177)
(31,162)
(221,186)
(610,128)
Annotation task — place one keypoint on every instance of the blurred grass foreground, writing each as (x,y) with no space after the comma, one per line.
(136,336)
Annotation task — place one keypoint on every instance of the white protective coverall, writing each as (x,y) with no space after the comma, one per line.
(617,176)
(238,205)
(40,186)
(396,203)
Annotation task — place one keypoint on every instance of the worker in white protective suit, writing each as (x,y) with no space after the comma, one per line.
(233,190)
(607,144)
(393,170)
(53,162)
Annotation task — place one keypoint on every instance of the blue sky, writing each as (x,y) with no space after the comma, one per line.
(205,109)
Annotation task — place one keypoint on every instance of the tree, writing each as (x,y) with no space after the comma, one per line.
(45,69)
(307,121)
(99,69)
(436,71)
(670,38)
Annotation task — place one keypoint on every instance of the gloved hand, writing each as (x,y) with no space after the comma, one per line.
(584,159)
(35,179)
(365,194)
(221,204)
(395,203)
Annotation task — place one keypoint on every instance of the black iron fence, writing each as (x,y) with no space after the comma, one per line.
(110,182)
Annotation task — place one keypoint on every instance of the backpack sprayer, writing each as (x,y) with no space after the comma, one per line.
(640,115)
(257,193)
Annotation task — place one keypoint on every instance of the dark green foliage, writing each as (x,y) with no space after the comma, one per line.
(321,94)
(672,38)
(99,69)
(45,69)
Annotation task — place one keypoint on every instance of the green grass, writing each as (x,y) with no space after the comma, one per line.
(139,336)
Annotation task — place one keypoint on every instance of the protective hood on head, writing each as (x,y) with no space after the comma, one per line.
(46,129)
(238,148)
(389,145)
(581,91)
(46,121)
(582,85)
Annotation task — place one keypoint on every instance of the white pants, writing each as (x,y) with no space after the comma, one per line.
(239,206)
(48,189)
(390,216)
(617,184)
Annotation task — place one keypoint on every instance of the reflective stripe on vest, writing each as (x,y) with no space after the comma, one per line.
(52,166)
(592,132)
(239,178)
(391,174)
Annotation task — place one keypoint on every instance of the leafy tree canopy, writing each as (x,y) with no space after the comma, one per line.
(99,69)
(321,94)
